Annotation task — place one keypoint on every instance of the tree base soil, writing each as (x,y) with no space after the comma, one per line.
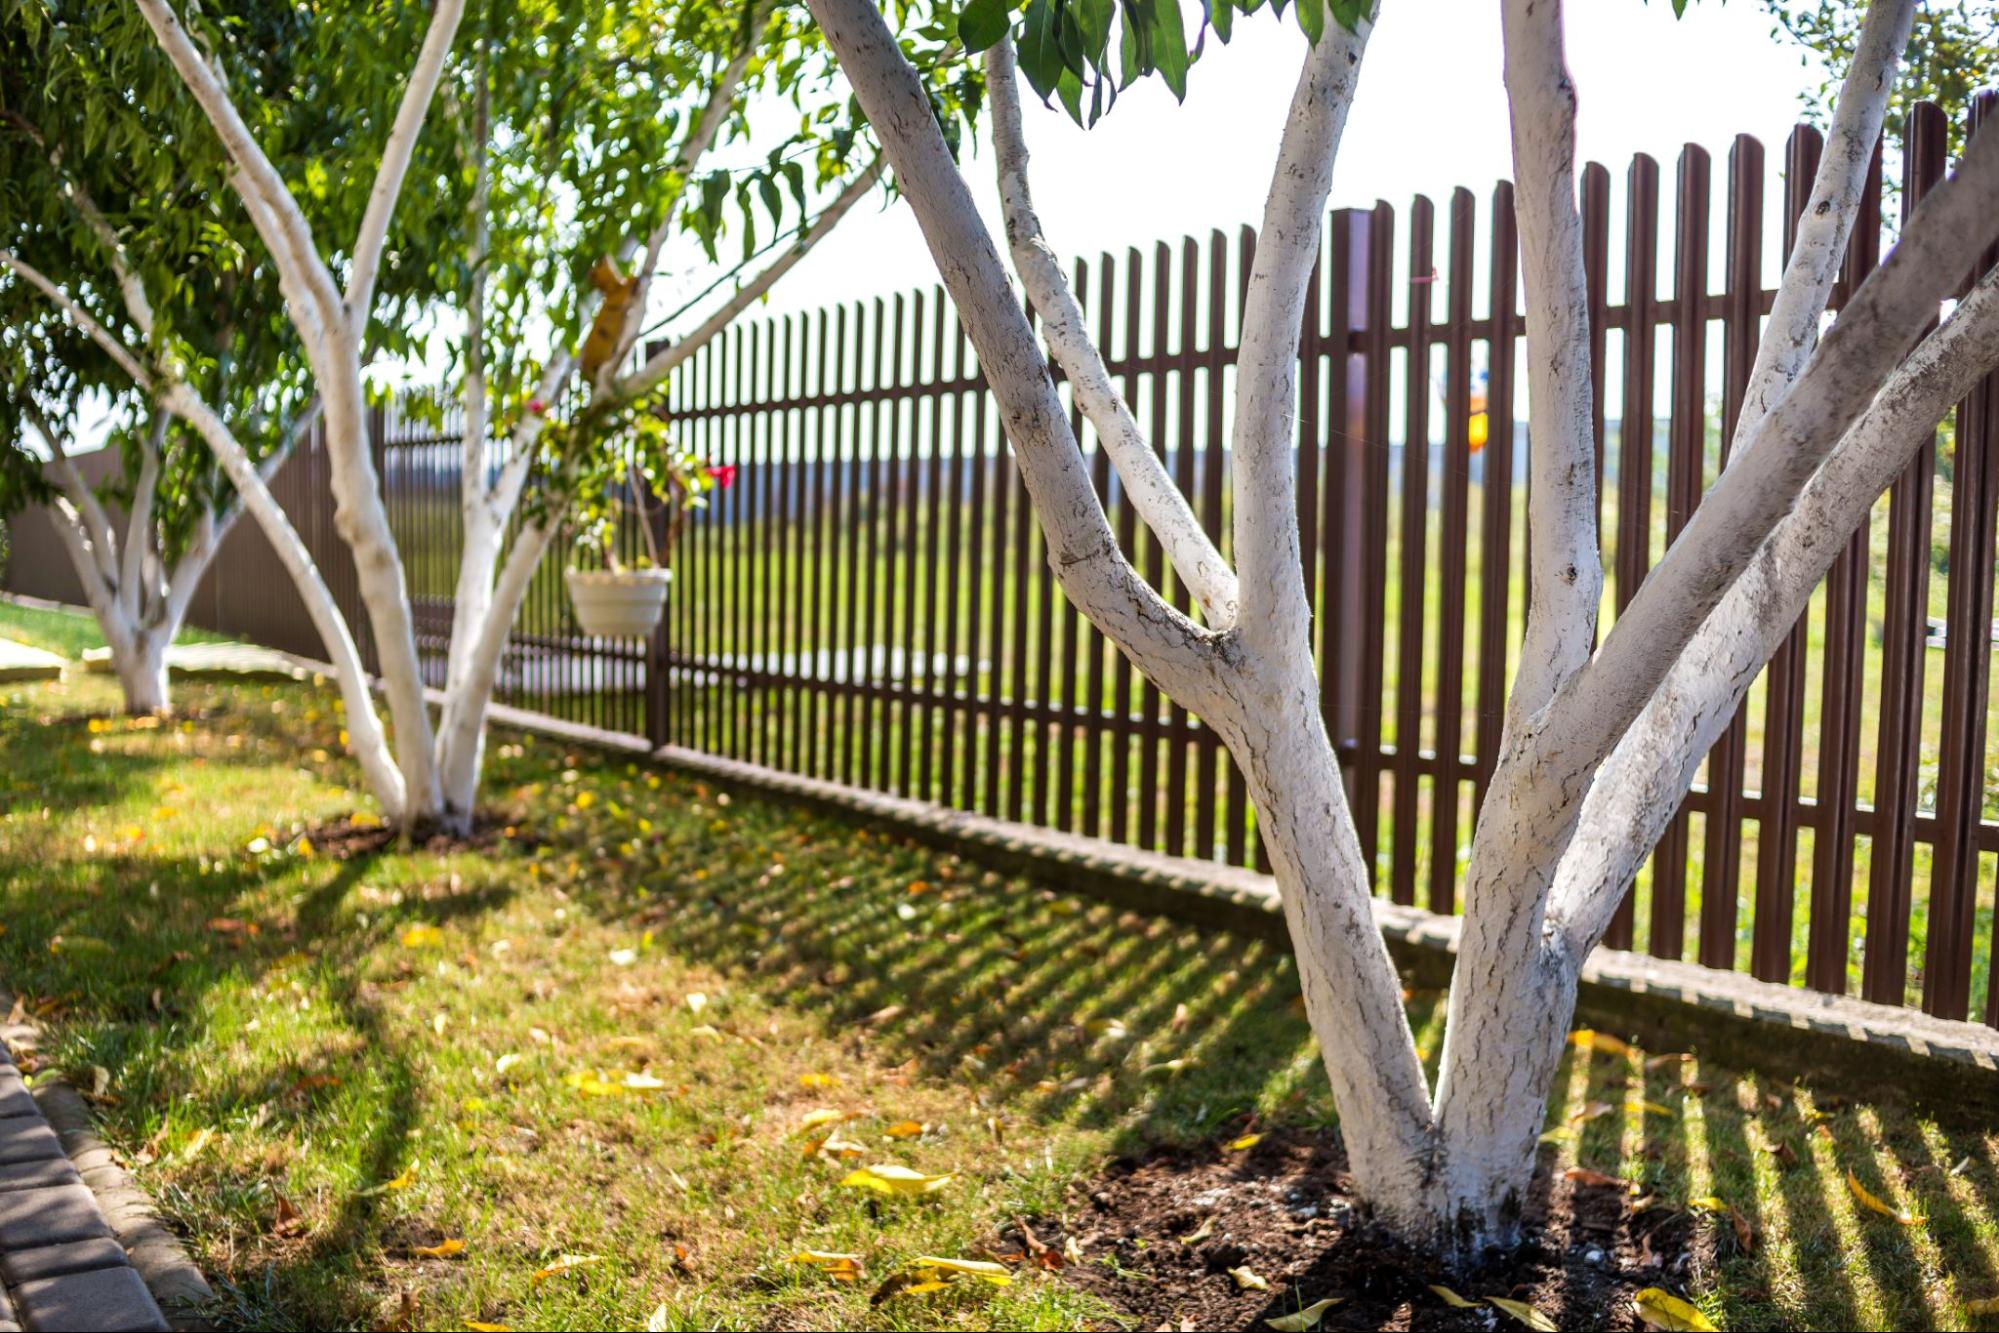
(1159,1234)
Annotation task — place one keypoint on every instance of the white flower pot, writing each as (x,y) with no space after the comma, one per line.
(618,604)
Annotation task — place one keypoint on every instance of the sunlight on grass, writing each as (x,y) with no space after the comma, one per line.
(328,1069)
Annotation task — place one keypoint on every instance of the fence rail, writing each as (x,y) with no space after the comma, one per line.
(870,602)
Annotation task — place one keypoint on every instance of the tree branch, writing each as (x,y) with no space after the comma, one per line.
(1953,224)
(139,522)
(1641,784)
(1181,657)
(701,136)
(272,208)
(663,362)
(1823,230)
(86,511)
(82,318)
(1276,608)
(1568,572)
(1152,492)
(395,163)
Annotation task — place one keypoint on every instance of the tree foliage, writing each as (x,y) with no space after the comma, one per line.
(1953,53)
(105,169)
(1066,48)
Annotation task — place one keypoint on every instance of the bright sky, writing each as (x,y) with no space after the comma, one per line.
(1431,115)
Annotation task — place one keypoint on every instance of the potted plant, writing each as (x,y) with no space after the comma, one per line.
(619,599)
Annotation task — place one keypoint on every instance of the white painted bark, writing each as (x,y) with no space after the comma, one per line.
(1142,472)
(1276,608)
(1452,1169)
(1641,784)
(332,325)
(365,738)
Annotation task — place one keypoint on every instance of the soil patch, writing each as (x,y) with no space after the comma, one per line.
(348,839)
(1159,1234)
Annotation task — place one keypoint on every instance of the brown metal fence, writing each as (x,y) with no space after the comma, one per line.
(869,602)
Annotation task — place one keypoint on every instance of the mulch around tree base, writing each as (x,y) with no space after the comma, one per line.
(1160,1233)
(348,839)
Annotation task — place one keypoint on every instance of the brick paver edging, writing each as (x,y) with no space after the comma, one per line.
(80,1244)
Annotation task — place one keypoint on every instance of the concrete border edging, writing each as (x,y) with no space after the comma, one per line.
(178,1289)
(183,1294)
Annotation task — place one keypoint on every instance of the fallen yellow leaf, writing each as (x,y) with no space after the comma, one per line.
(840,1267)
(1602,1042)
(1247,1280)
(444,1249)
(422,937)
(1306,1319)
(891,1179)
(1523,1312)
(478,1327)
(929,1273)
(1245,1143)
(1452,1299)
(905,1129)
(1875,1203)
(823,1116)
(1663,1310)
(567,1263)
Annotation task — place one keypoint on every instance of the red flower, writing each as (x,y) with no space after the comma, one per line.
(537,406)
(724,476)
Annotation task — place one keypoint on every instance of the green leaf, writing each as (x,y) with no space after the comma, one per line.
(1312,18)
(1040,53)
(983,22)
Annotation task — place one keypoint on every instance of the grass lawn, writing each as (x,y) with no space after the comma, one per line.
(603,1034)
(67,633)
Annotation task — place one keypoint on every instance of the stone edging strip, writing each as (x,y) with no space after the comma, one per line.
(79,1242)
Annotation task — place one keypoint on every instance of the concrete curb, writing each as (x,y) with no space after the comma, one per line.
(154,1254)
(183,1294)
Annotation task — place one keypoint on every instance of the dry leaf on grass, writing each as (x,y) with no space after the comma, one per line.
(893,1180)
(444,1249)
(1663,1310)
(839,1267)
(929,1273)
(567,1263)
(1601,1042)
(1876,1204)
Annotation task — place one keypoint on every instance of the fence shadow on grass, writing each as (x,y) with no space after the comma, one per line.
(1072,1011)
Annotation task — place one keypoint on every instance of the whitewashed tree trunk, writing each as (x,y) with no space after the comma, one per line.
(1600,744)
(142,670)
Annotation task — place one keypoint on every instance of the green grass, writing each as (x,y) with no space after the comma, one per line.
(302,1055)
(66,633)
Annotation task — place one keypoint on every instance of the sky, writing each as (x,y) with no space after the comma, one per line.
(1430,115)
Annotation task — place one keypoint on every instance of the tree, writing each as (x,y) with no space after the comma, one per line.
(98,231)
(662,82)
(1600,740)
(1952,52)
